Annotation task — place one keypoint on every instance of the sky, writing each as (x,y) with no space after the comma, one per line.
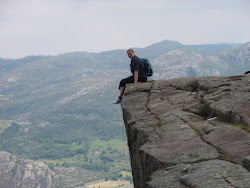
(52,27)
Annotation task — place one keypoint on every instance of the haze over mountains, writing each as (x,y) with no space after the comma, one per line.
(53,82)
(187,63)
(62,104)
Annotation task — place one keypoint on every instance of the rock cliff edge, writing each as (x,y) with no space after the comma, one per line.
(171,142)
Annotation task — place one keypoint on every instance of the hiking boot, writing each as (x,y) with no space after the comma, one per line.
(118,101)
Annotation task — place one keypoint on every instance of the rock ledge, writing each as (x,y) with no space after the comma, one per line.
(171,142)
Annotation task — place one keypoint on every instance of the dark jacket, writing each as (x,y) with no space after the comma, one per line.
(138,65)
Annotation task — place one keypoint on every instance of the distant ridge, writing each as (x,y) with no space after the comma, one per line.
(166,45)
(189,63)
(151,52)
(212,49)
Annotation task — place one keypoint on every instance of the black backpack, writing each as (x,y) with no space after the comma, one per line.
(148,66)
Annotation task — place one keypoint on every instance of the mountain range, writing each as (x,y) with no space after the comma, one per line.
(54,107)
(188,63)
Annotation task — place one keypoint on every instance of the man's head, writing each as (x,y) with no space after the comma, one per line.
(131,53)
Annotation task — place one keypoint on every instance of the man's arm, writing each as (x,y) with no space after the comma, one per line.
(136,76)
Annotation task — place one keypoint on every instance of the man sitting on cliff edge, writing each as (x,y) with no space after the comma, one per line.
(138,70)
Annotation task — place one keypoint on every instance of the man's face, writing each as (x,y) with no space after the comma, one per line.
(131,54)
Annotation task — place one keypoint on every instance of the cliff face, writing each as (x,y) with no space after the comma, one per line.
(23,173)
(171,142)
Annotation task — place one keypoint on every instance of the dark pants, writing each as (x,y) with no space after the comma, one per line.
(130,79)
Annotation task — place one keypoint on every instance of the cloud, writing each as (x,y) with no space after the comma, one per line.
(32,27)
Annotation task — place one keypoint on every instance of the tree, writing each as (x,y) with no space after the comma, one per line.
(86,159)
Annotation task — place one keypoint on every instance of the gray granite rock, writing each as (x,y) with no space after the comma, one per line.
(166,124)
(20,173)
(207,174)
(246,162)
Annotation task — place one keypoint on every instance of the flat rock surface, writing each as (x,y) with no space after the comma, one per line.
(166,124)
(209,174)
